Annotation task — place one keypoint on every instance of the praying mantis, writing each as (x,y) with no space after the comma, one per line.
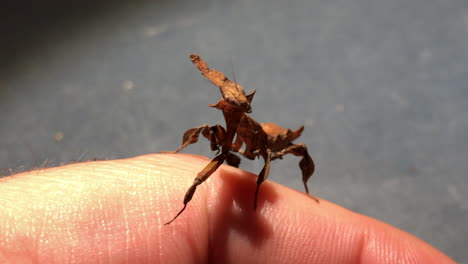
(266,140)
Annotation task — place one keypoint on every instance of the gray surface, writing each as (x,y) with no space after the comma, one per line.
(380,85)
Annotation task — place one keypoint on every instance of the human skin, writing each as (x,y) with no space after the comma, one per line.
(114,212)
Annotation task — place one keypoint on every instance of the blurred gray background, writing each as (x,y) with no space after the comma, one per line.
(381,87)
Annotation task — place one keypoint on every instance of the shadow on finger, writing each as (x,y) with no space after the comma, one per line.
(234,215)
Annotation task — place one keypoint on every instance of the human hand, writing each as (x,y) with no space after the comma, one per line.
(114,211)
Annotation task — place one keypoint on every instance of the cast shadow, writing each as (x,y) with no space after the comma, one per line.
(234,213)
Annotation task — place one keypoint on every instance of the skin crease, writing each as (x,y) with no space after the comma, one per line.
(114,211)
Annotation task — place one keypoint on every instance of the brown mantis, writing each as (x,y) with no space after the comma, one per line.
(266,140)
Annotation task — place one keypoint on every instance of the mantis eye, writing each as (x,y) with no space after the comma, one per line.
(247,108)
(232,101)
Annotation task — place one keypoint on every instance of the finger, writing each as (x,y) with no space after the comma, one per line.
(115,210)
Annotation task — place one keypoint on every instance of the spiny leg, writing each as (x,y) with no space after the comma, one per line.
(237,144)
(306,163)
(236,147)
(214,134)
(247,154)
(201,177)
(191,136)
(263,175)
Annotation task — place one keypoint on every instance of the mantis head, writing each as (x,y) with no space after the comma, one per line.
(234,97)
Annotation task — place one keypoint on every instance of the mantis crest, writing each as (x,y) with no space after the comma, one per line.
(267,140)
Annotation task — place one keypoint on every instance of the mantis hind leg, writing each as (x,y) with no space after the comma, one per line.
(306,163)
(201,177)
(263,175)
